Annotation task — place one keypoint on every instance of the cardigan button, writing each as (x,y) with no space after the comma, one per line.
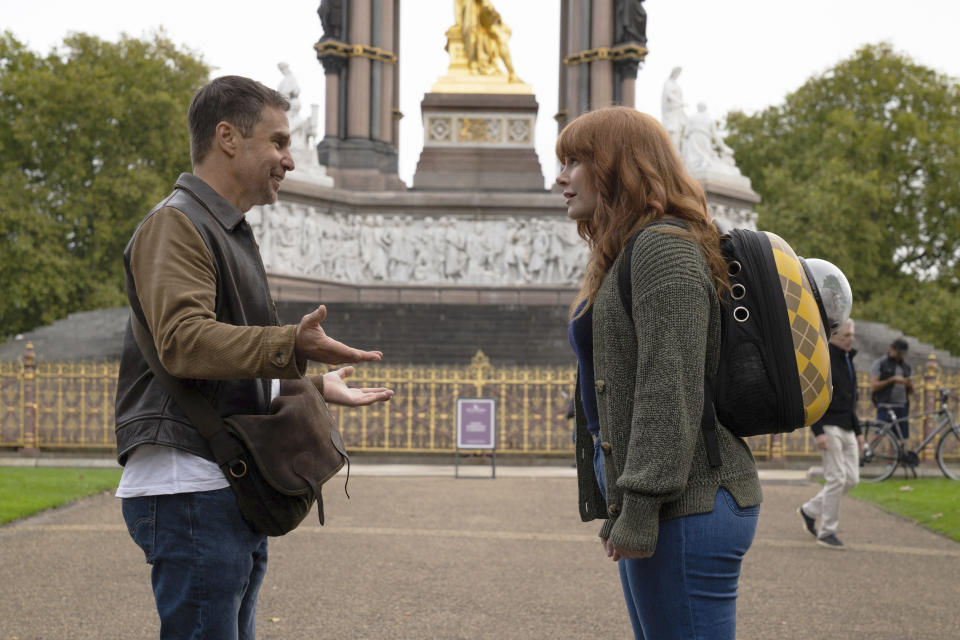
(280,359)
(600,385)
(607,447)
(613,509)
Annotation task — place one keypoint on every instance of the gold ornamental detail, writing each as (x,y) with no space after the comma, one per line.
(344,50)
(478,130)
(623,52)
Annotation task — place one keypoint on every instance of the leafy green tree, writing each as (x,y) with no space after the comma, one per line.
(92,135)
(861,166)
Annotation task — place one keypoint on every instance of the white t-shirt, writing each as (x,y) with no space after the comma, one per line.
(156,470)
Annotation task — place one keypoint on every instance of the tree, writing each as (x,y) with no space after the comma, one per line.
(92,135)
(860,166)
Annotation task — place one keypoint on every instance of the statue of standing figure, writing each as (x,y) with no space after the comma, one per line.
(629,22)
(331,19)
(485,38)
(671,108)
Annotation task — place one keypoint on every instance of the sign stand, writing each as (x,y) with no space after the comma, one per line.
(476,429)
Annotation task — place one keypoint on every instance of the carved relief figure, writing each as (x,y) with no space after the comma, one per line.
(400,250)
(539,246)
(517,252)
(455,250)
(563,259)
(286,250)
(257,219)
(372,248)
(311,244)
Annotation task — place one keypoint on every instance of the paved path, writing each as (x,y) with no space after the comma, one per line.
(417,556)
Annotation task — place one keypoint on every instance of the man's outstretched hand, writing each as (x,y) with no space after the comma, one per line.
(336,391)
(312,343)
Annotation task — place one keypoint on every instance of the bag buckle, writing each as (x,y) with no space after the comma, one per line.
(238,468)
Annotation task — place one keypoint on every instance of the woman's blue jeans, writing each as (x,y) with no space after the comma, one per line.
(688,588)
(208,563)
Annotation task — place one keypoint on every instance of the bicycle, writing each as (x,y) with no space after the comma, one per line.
(884,448)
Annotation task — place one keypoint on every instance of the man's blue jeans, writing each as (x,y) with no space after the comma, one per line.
(688,588)
(888,412)
(208,563)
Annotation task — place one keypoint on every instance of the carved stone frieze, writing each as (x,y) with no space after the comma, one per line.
(732,217)
(305,241)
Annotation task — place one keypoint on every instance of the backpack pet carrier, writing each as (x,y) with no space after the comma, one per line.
(774,373)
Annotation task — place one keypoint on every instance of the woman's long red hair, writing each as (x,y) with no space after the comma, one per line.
(638,178)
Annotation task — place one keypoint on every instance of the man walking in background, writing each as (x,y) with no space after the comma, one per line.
(839,441)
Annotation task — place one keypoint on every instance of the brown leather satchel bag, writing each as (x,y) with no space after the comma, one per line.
(276,463)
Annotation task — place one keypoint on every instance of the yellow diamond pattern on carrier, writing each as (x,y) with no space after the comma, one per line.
(809,334)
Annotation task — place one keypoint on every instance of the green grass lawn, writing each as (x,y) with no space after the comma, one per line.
(931,502)
(27,490)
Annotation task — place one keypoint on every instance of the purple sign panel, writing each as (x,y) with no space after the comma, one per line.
(475,423)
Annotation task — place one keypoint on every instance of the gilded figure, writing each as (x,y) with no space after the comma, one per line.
(485,38)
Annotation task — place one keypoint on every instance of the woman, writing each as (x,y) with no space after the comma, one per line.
(677,527)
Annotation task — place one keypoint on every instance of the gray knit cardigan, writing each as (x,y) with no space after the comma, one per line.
(649,388)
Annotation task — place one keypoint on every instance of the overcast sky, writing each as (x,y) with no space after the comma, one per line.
(735,54)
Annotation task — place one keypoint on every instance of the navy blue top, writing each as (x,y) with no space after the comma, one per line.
(580,333)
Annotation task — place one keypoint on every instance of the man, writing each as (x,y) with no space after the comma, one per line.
(839,440)
(198,277)
(891,386)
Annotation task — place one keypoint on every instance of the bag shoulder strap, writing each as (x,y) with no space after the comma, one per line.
(625,288)
(198,409)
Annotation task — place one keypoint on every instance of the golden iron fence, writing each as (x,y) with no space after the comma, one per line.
(531,407)
(54,405)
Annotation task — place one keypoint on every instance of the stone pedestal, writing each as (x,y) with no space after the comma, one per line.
(479,142)
(730,198)
(360,164)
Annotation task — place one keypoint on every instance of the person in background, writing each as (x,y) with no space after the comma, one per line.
(891,387)
(677,527)
(840,442)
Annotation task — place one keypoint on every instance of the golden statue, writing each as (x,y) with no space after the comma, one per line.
(478,46)
(484,37)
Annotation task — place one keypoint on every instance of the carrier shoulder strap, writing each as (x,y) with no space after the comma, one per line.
(625,287)
(624,279)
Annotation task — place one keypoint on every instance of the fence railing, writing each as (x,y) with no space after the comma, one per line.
(70,406)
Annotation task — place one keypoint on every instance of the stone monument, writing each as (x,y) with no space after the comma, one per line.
(479,118)
(477,256)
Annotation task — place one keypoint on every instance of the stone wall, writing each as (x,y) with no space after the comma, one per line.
(448,333)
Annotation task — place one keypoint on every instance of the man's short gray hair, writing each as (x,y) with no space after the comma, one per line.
(234,99)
